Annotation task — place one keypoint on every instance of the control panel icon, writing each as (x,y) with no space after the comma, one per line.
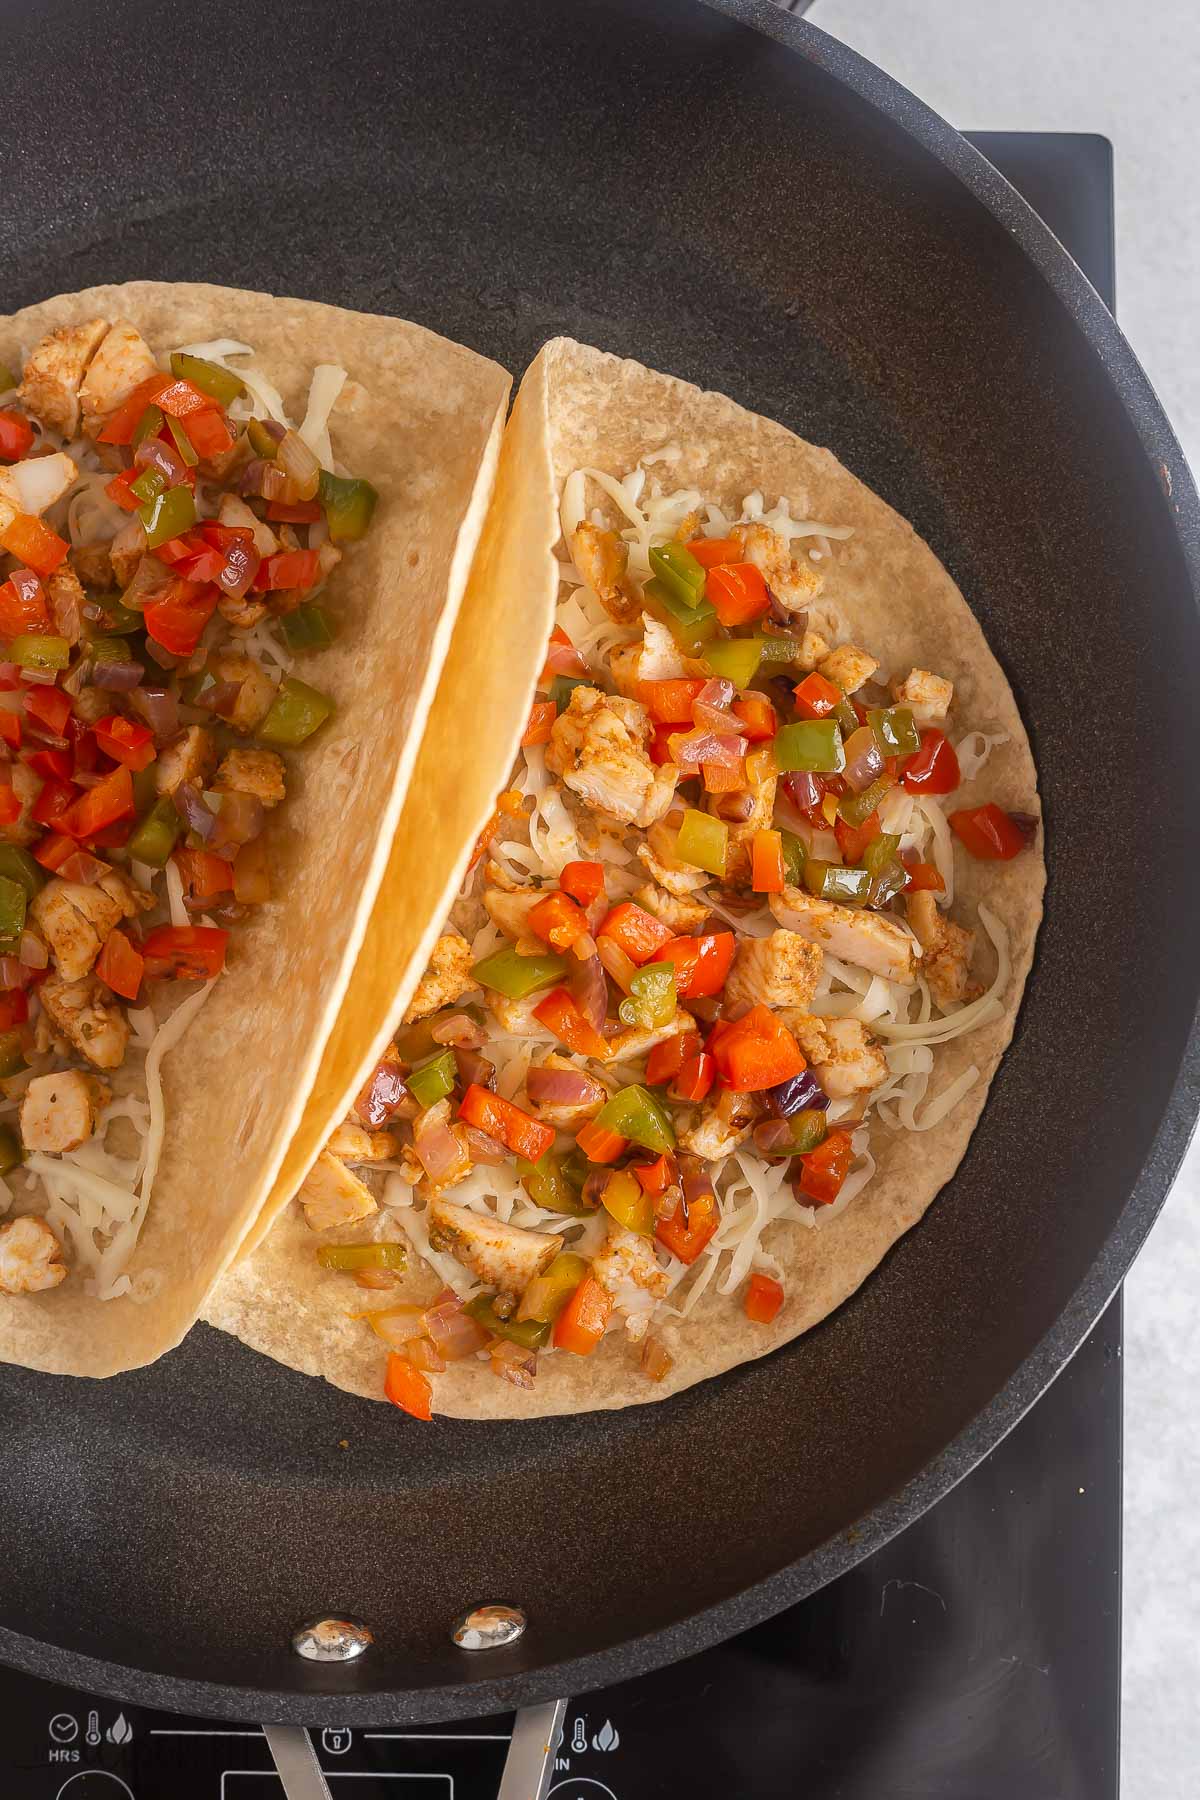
(64,1728)
(336,1739)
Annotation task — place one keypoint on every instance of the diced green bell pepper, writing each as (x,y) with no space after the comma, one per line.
(516,976)
(148,426)
(576,1168)
(362,1256)
(846,716)
(856,809)
(168,514)
(793,858)
(531,1334)
(895,732)
(295,713)
(813,744)
(703,841)
(13,896)
(809,1128)
(879,852)
(634,1113)
(148,486)
(308,628)
(154,837)
(145,789)
(563,686)
(829,881)
(11,1150)
(40,652)
(547,1294)
(547,1186)
(734,659)
(221,384)
(691,626)
(349,505)
(118,620)
(650,1002)
(888,875)
(19,866)
(182,442)
(12,1055)
(261,441)
(431,1081)
(626,1200)
(677,569)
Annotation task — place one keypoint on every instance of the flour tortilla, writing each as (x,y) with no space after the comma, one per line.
(894,598)
(421,419)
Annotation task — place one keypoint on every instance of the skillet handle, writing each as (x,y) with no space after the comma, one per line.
(528,1767)
(296,1762)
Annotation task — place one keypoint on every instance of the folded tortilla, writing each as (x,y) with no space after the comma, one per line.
(581,407)
(420,418)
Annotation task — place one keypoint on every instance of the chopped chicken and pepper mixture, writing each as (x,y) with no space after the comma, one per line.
(162,554)
(692,961)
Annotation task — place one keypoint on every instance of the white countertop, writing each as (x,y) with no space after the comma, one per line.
(1131,72)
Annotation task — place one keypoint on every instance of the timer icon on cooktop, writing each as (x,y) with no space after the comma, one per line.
(95,1784)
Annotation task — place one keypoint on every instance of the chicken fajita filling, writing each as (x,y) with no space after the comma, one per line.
(704,952)
(165,539)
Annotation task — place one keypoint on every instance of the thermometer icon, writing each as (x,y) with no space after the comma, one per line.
(92,1734)
(579,1738)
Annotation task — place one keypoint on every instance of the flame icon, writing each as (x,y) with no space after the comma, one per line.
(607,1738)
(120,1731)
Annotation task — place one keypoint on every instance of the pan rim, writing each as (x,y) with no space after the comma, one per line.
(793,1581)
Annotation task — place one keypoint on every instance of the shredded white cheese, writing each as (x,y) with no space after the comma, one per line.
(327,383)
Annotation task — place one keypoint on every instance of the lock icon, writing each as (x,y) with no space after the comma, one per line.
(336,1739)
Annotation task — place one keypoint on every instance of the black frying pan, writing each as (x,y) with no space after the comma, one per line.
(726,194)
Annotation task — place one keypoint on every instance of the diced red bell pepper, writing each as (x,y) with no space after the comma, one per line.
(816,697)
(203,873)
(638,933)
(290,569)
(559,1014)
(666,1059)
(179,552)
(120,428)
(757,715)
(599,1144)
(657,1176)
(562,658)
(581,1323)
(54,850)
(558,921)
(768,872)
(126,741)
(542,715)
(110,800)
(224,537)
(406,1387)
(764,1297)
(180,400)
(10,806)
(988,832)
(207,431)
(52,765)
(14,1009)
(192,952)
(737,592)
(701,963)
(923,877)
(669,702)
(695,1079)
(823,1170)
(720,780)
(23,606)
(53,804)
(33,544)
(16,435)
(584,881)
(119,489)
(293,512)
(689,1229)
(120,966)
(49,706)
(659,747)
(933,769)
(523,1135)
(10,729)
(853,839)
(708,552)
(177,620)
(756,1051)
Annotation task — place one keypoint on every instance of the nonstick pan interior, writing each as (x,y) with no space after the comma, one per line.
(775,220)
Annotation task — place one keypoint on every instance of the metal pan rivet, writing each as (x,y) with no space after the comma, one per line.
(489,1627)
(332,1640)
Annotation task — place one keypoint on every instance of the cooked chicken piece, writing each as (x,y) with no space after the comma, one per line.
(506,1257)
(842,1054)
(447,977)
(848,666)
(780,970)
(658,856)
(947,947)
(633,1041)
(123,361)
(866,939)
(794,581)
(258,773)
(58,1112)
(927,696)
(131,899)
(354,1144)
(510,911)
(256,690)
(627,1256)
(603,561)
(747,811)
(567,1114)
(192,756)
(242,614)
(85,1013)
(33,485)
(813,649)
(655,658)
(54,370)
(332,1195)
(683,916)
(234,511)
(93,565)
(64,591)
(74,919)
(126,551)
(29,1253)
(516,1016)
(497,876)
(598,746)
(723,1125)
